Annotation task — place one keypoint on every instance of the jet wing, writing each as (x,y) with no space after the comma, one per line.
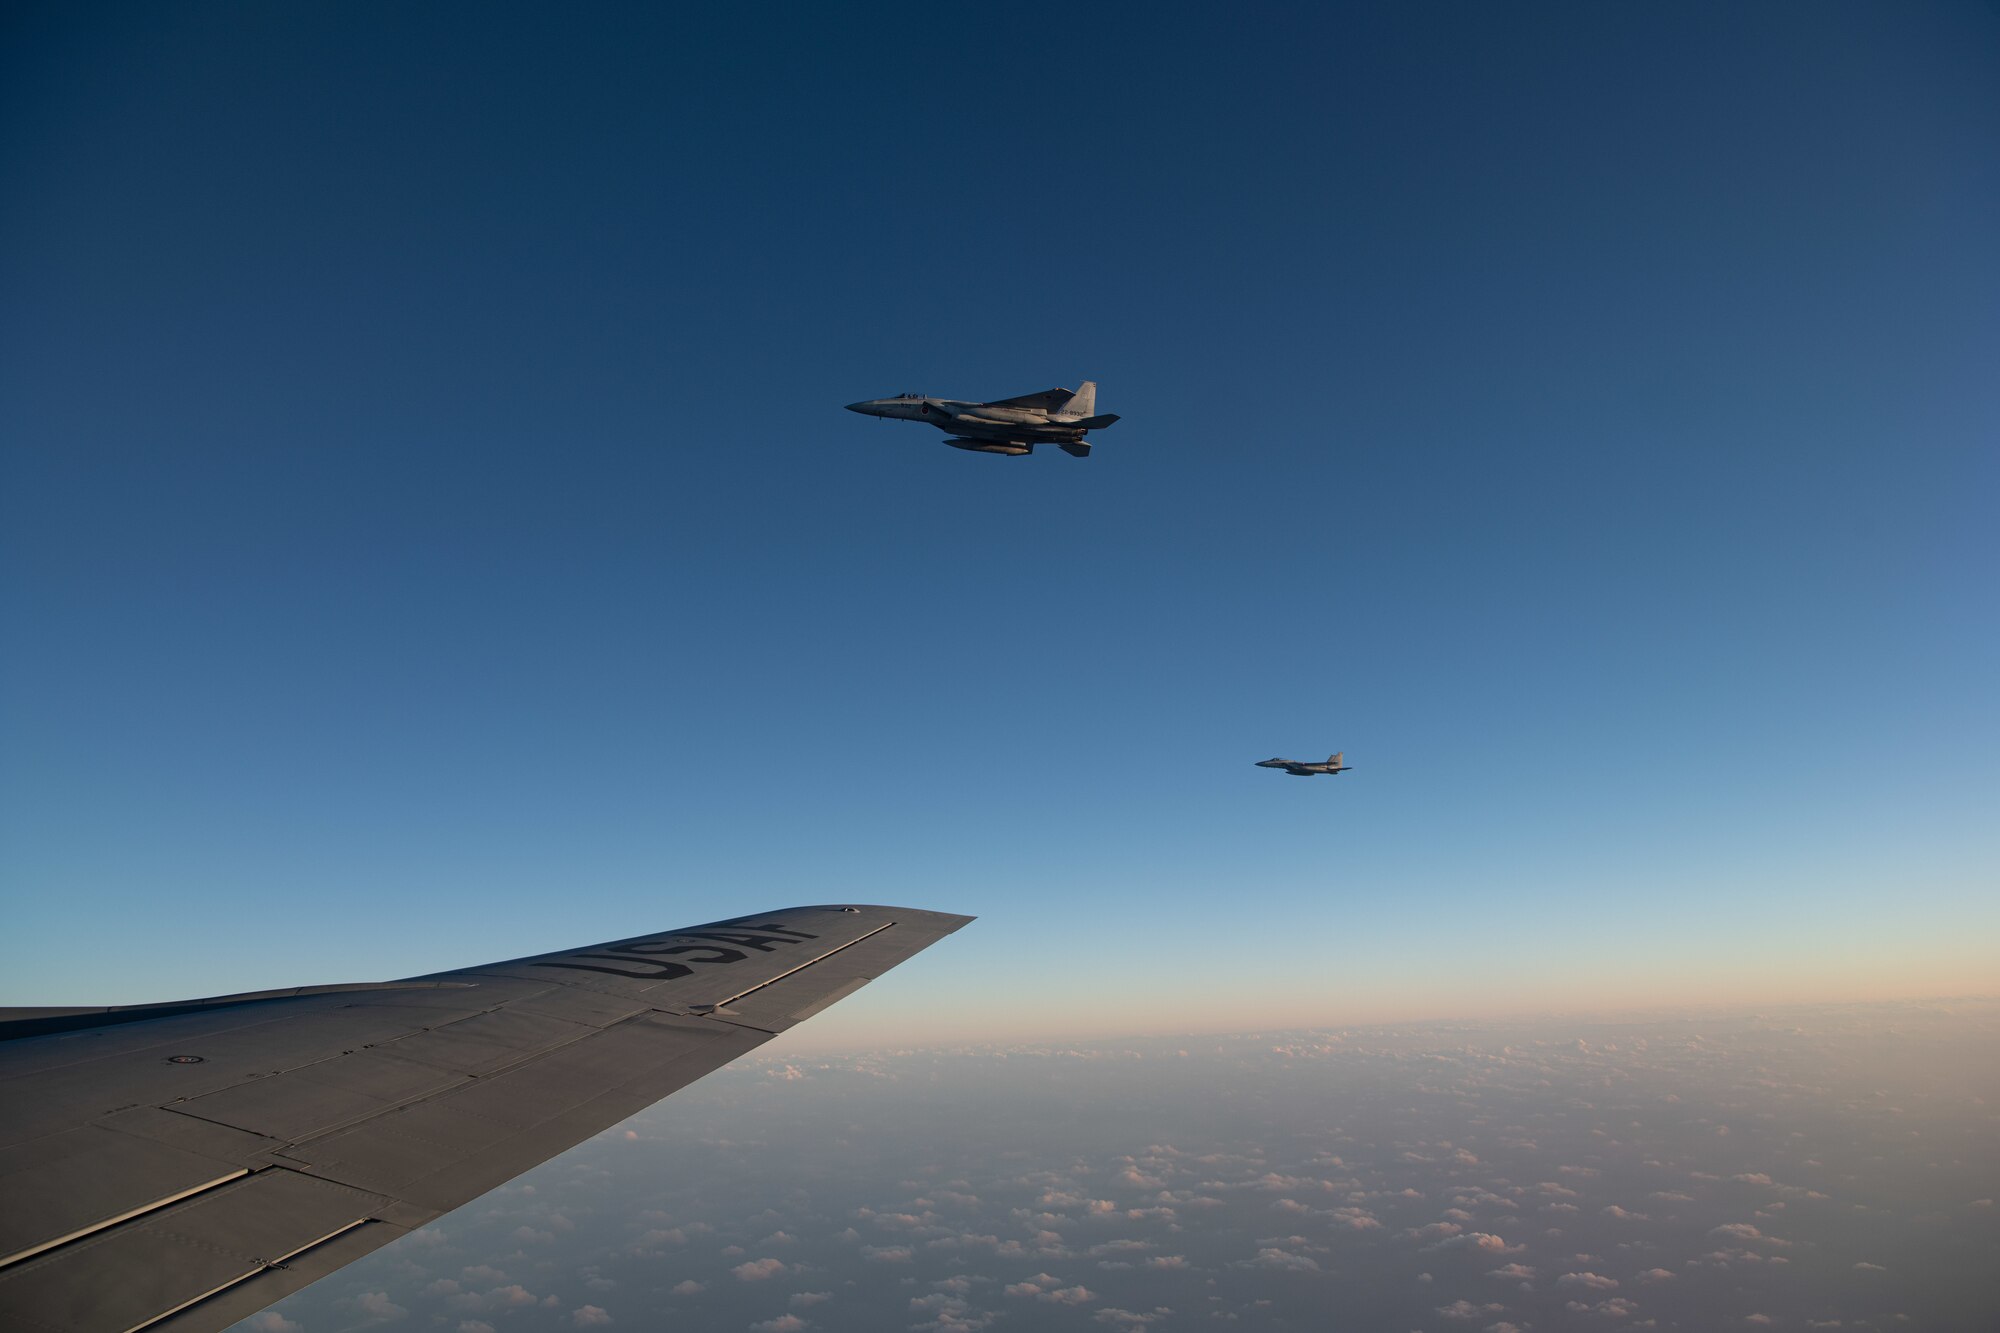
(175,1168)
(1048,400)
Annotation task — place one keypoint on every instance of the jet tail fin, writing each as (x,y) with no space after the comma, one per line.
(1084,402)
(1335,760)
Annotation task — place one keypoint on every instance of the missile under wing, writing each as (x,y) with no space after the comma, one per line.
(174,1168)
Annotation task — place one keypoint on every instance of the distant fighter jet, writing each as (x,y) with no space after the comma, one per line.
(1012,426)
(1300,768)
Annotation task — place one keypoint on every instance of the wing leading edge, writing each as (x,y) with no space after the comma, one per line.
(176,1168)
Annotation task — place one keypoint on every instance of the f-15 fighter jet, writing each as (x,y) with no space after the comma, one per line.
(1300,768)
(1012,426)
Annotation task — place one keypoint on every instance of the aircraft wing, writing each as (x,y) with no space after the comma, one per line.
(178,1167)
(1048,400)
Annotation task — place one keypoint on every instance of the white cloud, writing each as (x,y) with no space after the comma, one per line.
(1436,1230)
(949,1314)
(377,1305)
(757,1270)
(1464,1309)
(690,1287)
(514,1295)
(1592,1281)
(1484,1241)
(784,1323)
(589,1316)
(1077,1295)
(1744,1231)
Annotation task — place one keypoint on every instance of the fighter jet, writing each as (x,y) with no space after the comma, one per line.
(1300,768)
(1012,426)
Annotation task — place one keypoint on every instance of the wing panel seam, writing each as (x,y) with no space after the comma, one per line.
(800,968)
(110,1222)
(263,1266)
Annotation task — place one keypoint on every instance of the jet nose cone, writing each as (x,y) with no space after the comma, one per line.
(861,407)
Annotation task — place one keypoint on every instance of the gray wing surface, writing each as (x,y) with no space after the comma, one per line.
(1048,400)
(176,1168)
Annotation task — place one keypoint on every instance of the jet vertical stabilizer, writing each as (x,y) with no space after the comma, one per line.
(1084,403)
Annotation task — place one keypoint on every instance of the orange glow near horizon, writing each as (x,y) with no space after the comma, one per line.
(884,1015)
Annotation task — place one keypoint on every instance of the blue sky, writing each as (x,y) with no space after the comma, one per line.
(430,533)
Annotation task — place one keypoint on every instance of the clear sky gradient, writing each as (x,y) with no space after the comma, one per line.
(430,533)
